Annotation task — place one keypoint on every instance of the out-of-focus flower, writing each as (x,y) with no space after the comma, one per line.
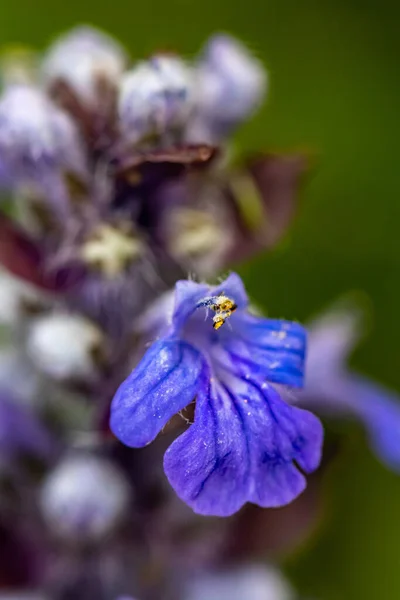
(208,223)
(37,142)
(245,438)
(86,59)
(155,98)
(84,498)
(231,84)
(331,388)
(253,582)
(65,346)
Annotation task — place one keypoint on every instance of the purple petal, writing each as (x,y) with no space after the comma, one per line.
(163,383)
(376,407)
(332,337)
(380,411)
(187,295)
(241,449)
(271,347)
(233,288)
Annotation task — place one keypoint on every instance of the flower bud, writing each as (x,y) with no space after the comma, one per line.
(64,346)
(83,58)
(230,85)
(155,97)
(84,498)
(36,138)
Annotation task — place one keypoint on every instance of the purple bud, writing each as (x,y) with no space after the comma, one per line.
(230,85)
(155,97)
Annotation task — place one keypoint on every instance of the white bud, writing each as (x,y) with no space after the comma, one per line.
(249,583)
(35,135)
(155,97)
(231,84)
(82,57)
(62,346)
(84,498)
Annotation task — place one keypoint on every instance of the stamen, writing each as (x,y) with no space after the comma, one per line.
(111,250)
(199,233)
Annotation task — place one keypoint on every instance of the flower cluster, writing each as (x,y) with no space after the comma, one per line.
(120,195)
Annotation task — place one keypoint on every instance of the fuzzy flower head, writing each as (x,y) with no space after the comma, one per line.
(93,149)
(245,439)
(332,388)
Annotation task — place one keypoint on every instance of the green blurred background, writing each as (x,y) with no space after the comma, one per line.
(335,92)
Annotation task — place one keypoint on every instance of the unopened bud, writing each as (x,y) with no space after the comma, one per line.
(64,346)
(84,498)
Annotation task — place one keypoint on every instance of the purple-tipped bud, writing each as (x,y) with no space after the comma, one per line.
(37,140)
(231,84)
(156,97)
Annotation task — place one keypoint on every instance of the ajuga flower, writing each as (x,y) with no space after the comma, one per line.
(332,389)
(245,439)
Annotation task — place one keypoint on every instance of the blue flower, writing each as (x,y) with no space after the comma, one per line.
(245,440)
(332,389)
